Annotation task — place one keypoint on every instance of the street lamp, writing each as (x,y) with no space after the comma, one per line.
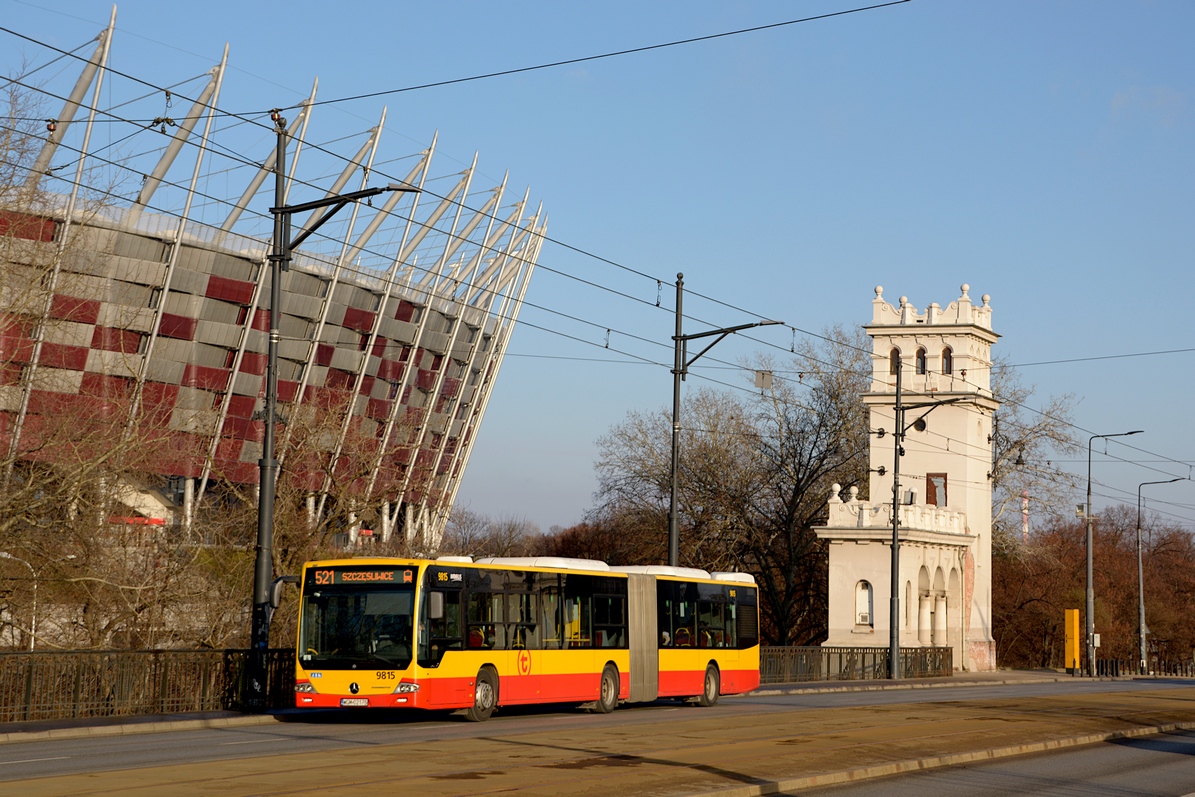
(1090,578)
(33,619)
(280,261)
(901,429)
(1141,629)
(680,370)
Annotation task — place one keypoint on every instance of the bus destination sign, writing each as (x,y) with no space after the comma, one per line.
(397,576)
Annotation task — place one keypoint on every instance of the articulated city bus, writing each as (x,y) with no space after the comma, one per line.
(452,633)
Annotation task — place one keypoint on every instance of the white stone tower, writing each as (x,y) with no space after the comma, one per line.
(945,586)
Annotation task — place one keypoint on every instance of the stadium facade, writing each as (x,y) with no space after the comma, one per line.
(393,327)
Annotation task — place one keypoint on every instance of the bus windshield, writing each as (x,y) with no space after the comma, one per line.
(357,618)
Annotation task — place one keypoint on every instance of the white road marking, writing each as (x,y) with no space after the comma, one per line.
(254,741)
(33,760)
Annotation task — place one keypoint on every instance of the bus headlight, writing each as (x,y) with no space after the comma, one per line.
(405,688)
(305,687)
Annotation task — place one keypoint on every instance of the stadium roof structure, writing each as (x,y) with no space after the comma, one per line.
(394,320)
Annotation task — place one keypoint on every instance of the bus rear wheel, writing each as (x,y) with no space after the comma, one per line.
(608,694)
(485,696)
(713,685)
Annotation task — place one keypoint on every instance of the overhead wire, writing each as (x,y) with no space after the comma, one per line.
(795,329)
(546,238)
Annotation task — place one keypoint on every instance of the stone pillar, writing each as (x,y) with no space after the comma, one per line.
(188,504)
(939,637)
(387,529)
(925,605)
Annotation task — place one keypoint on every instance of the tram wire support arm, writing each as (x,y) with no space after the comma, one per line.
(680,369)
(279,258)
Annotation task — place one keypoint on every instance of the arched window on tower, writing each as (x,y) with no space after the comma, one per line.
(921,361)
(947,360)
(863,614)
(894,360)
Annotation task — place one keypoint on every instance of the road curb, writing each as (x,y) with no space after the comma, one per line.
(882,686)
(133,728)
(935,762)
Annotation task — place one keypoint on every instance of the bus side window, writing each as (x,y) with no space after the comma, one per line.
(521,627)
(440,634)
(732,636)
(711,625)
(553,628)
(684,623)
(577,622)
(484,620)
(578,611)
(609,621)
(664,621)
(747,621)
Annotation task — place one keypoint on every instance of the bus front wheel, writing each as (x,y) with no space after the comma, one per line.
(713,685)
(608,695)
(485,696)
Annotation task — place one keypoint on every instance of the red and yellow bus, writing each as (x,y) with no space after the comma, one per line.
(451,633)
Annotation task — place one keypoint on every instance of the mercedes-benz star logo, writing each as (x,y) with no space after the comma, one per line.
(354,688)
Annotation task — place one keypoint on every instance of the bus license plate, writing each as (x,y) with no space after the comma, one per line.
(354,701)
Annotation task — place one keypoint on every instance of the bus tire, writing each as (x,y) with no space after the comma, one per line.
(712,687)
(485,696)
(608,691)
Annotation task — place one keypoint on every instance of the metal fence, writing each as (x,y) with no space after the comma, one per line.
(1115,667)
(1184,668)
(59,685)
(778,665)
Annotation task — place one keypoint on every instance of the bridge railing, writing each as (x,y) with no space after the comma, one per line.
(107,683)
(1155,666)
(816,663)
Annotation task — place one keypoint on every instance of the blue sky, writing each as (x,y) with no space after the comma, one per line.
(1040,151)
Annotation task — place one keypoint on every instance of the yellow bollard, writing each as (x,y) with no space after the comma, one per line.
(1072,642)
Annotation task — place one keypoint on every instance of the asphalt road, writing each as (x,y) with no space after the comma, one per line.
(1153,766)
(662,747)
(333,730)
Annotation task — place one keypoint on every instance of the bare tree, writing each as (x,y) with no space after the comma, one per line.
(1027,444)
(471,534)
(755,471)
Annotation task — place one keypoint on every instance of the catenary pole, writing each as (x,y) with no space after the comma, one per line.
(1090,624)
(678,369)
(894,605)
(263,568)
(1142,629)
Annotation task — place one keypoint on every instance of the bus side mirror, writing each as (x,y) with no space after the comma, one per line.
(435,606)
(276,589)
(276,594)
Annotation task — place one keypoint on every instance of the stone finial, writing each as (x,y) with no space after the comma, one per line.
(835,489)
(964,288)
(879,291)
(854,493)
(986,300)
(904,300)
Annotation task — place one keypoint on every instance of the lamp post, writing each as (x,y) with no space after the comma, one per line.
(680,370)
(901,429)
(33,619)
(1090,577)
(1141,629)
(280,261)
(894,599)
